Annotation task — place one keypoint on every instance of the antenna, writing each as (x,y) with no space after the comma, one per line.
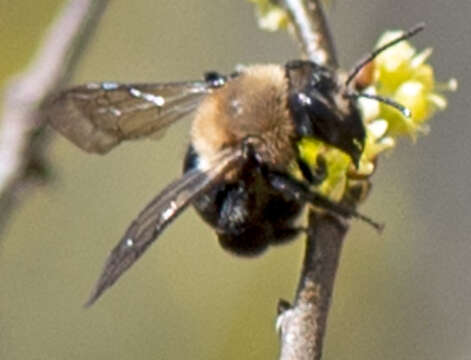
(370,57)
(388,101)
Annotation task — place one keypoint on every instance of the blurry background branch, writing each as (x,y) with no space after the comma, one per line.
(22,138)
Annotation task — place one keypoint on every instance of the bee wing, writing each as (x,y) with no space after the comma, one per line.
(98,116)
(159,213)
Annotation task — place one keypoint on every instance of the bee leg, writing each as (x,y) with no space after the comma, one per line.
(300,192)
(249,144)
(319,174)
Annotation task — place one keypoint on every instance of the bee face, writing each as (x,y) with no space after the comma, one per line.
(322,109)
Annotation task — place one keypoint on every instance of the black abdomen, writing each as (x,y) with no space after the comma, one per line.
(247,215)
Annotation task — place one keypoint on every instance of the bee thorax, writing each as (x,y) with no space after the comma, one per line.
(252,105)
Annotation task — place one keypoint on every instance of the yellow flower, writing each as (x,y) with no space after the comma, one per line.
(336,161)
(270,17)
(403,75)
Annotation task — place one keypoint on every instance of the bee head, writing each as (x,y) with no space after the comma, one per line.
(320,108)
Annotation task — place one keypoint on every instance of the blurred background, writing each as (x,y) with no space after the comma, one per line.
(403,294)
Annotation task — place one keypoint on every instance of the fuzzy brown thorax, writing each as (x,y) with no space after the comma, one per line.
(252,104)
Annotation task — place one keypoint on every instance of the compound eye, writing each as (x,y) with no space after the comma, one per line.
(299,103)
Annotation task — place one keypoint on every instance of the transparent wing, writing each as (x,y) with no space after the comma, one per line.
(98,116)
(159,213)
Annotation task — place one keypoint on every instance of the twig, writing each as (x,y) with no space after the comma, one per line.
(312,32)
(22,139)
(303,325)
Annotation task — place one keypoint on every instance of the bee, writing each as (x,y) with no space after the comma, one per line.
(243,140)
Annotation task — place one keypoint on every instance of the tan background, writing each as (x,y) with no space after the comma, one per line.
(402,295)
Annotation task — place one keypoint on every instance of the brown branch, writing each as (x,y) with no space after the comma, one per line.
(311,30)
(302,326)
(22,139)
